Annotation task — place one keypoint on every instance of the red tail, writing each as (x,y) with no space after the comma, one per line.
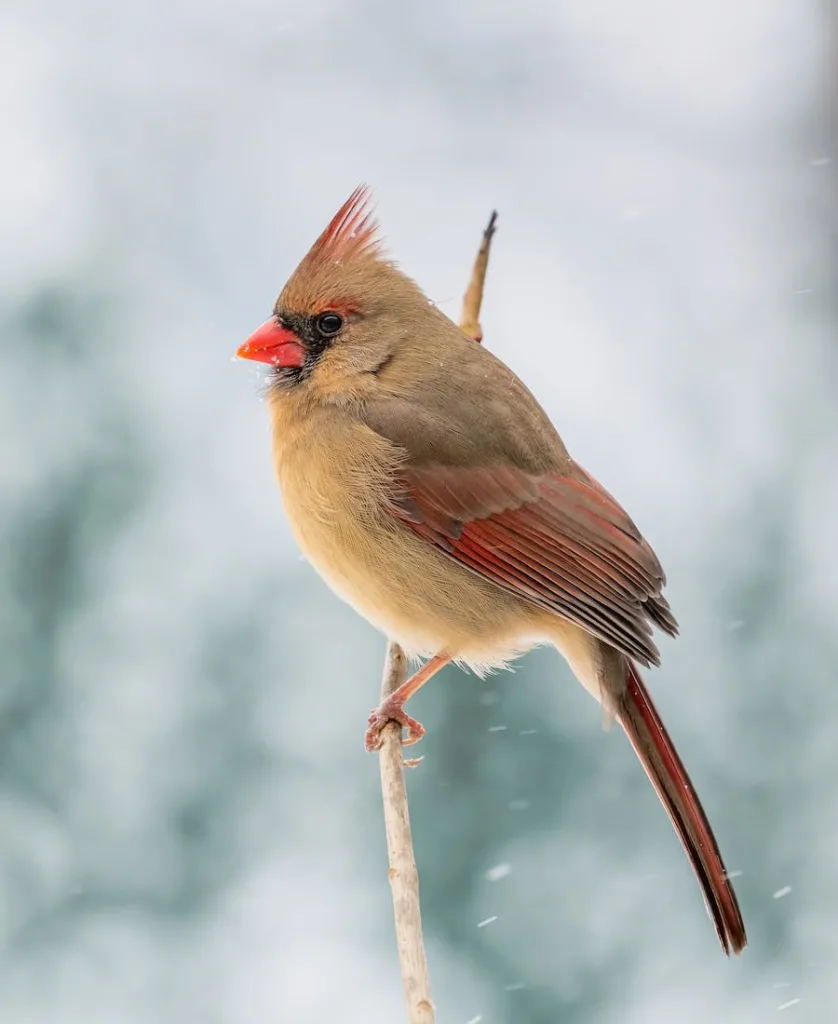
(658,756)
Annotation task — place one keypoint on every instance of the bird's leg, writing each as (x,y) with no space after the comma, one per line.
(392,709)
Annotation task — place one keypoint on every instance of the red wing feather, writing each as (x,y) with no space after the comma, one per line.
(558,540)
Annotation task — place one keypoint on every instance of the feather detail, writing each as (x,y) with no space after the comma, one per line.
(647,734)
(344,268)
(558,540)
(351,233)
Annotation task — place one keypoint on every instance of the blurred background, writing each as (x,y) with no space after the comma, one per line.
(190,829)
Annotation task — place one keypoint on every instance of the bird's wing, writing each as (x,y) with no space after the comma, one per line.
(554,537)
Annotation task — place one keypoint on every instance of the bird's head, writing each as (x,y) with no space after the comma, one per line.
(343,312)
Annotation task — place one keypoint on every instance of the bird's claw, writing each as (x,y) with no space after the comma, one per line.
(391,711)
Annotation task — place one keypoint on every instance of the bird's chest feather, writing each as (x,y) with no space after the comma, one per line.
(336,482)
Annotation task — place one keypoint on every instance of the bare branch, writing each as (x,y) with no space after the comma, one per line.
(470,317)
(404,878)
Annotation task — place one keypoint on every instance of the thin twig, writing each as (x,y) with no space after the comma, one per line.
(473,300)
(404,878)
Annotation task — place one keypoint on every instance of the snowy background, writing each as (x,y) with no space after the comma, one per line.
(190,829)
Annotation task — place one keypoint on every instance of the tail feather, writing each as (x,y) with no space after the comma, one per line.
(651,742)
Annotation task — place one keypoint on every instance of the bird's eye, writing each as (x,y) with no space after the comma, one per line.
(329,324)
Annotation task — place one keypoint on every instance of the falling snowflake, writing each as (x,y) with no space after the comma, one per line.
(497,872)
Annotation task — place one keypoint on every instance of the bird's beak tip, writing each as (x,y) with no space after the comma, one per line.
(274,344)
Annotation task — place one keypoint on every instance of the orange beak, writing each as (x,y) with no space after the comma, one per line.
(274,344)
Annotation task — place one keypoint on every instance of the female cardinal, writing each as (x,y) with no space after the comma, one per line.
(431,491)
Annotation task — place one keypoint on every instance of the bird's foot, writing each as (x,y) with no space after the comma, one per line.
(391,710)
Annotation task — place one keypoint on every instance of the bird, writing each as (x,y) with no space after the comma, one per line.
(427,486)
